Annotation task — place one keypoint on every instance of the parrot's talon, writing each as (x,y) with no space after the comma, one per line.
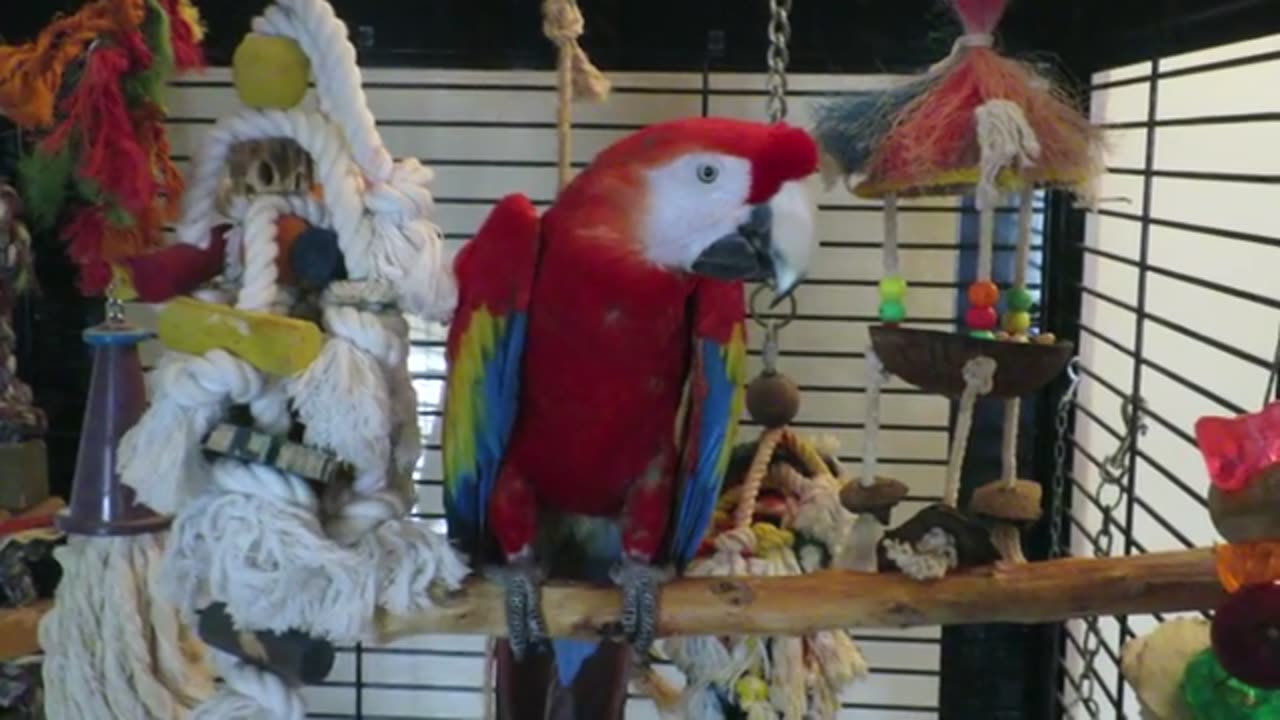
(522,580)
(641,584)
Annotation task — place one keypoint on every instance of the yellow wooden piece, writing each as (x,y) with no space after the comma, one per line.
(122,284)
(272,343)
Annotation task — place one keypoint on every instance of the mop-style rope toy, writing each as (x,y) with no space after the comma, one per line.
(782,517)
(292,374)
(780,514)
(101,168)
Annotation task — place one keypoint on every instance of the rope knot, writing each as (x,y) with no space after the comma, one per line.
(979,374)
(740,541)
(562,21)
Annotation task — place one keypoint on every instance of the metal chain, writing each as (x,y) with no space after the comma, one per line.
(776,106)
(1114,469)
(1062,421)
(779,58)
(1111,492)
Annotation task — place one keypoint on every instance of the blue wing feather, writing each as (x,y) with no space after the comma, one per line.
(717,400)
(485,348)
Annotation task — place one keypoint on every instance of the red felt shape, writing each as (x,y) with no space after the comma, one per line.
(177,269)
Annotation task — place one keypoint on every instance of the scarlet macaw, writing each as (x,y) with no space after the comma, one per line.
(596,375)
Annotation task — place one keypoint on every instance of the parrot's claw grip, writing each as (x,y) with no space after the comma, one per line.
(640,583)
(522,581)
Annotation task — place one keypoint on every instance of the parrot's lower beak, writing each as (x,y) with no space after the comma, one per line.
(773,246)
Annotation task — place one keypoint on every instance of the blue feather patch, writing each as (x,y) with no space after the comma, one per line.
(720,367)
(570,655)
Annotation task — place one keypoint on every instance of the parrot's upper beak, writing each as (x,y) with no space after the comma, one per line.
(773,246)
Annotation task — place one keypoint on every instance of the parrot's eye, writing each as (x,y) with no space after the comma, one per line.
(708,173)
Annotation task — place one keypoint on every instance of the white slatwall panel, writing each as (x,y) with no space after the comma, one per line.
(490,133)
(1205,351)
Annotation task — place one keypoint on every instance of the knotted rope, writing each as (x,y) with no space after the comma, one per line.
(576,76)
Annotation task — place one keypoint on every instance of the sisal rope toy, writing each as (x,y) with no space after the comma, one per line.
(783,518)
(576,76)
(100,168)
(296,334)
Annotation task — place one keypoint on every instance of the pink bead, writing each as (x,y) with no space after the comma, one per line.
(981,318)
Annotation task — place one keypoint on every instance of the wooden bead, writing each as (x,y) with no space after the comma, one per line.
(1046,339)
(984,293)
(773,399)
(1248,514)
(981,318)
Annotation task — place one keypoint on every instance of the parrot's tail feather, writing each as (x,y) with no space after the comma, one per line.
(570,655)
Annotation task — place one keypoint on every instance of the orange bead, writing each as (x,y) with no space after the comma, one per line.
(288,228)
(1244,564)
(984,293)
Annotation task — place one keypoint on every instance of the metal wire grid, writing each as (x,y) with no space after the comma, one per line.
(1088,689)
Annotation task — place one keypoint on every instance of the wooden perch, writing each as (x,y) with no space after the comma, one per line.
(1038,592)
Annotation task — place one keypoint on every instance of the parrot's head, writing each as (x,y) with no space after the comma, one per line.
(715,197)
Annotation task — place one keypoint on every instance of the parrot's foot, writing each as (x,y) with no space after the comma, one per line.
(522,580)
(640,586)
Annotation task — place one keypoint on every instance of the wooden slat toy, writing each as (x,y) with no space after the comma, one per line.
(249,445)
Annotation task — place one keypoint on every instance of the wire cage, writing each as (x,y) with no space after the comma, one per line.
(1167,290)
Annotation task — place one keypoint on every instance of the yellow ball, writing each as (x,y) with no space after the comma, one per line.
(270,72)
(1017,322)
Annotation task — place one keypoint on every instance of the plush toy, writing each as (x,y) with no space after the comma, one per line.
(588,323)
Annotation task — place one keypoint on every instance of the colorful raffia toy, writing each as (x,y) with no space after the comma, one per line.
(91,86)
(282,432)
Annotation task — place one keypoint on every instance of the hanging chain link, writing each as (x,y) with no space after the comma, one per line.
(1114,469)
(779,57)
(772,328)
(1062,422)
(776,107)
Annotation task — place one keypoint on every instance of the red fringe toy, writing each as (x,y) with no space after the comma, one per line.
(103,169)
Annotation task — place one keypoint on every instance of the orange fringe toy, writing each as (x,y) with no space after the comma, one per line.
(104,141)
(928,143)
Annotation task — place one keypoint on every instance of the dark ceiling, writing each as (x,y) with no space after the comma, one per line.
(829,35)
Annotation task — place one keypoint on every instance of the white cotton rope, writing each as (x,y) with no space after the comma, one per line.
(113,649)
(889,257)
(876,378)
(1005,140)
(929,559)
(979,374)
(1013,406)
(253,537)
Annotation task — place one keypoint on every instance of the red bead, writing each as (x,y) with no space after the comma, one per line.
(981,318)
(984,293)
(1246,635)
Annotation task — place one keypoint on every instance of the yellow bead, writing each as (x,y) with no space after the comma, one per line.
(1017,322)
(752,689)
(272,343)
(270,72)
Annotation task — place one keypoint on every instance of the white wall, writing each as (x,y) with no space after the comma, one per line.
(491,133)
(1196,329)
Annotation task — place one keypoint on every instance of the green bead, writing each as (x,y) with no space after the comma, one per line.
(892,311)
(893,289)
(1211,694)
(983,334)
(1019,299)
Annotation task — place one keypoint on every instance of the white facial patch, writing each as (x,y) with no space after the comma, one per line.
(795,209)
(694,201)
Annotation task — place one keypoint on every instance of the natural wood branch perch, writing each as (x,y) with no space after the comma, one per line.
(1038,592)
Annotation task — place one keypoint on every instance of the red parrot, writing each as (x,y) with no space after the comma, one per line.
(596,374)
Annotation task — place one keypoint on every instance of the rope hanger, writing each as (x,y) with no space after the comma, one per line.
(576,76)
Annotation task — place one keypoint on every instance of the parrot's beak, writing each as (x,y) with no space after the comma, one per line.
(773,246)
